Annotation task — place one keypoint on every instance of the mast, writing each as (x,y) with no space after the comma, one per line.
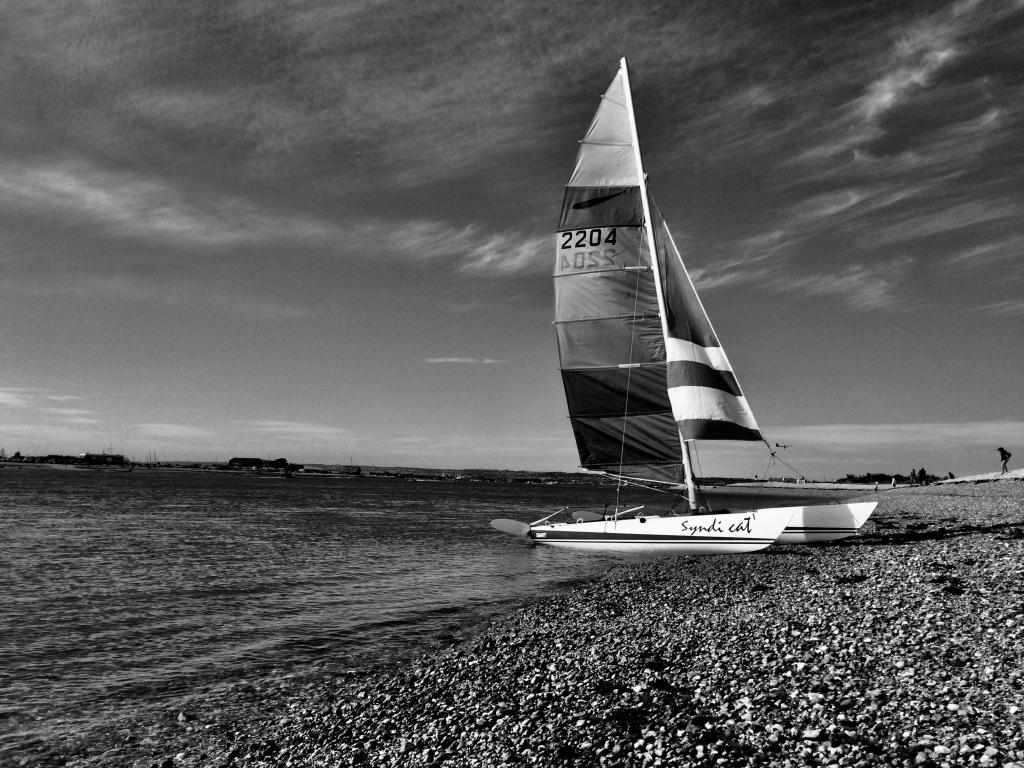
(691,486)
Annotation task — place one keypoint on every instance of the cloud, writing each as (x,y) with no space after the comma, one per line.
(174,431)
(920,224)
(51,438)
(74,415)
(909,66)
(827,205)
(1008,307)
(423,450)
(122,285)
(28,397)
(862,287)
(990,254)
(15,398)
(152,210)
(505,254)
(470,247)
(750,260)
(298,431)
(466,360)
(146,207)
(917,57)
(69,411)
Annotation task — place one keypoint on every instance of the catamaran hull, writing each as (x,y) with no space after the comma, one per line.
(674,535)
(825,522)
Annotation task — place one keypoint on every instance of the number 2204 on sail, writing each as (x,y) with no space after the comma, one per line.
(582,238)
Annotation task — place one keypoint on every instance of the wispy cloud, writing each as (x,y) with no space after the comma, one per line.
(910,65)
(15,398)
(30,397)
(919,224)
(538,448)
(51,438)
(152,210)
(894,165)
(147,208)
(74,415)
(150,289)
(465,360)
(471,248)
(1008,307)
(992,253)
(174,431)
(859,286)
(298,431)
(862,287)
(827,205)
(750,260)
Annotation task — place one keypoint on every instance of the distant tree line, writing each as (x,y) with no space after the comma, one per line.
(917,477)
(260,464)
(82,459)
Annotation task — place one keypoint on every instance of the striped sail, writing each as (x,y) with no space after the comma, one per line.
(706,398)
(634,384)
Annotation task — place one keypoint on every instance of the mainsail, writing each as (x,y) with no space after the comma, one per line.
(641,364)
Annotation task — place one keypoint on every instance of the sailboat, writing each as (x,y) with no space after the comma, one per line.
(643,370)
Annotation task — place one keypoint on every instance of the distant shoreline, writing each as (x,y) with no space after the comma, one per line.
(369,472)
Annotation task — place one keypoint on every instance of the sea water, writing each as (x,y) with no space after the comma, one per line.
(124,594)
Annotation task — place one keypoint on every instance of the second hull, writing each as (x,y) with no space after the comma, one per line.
(825,522)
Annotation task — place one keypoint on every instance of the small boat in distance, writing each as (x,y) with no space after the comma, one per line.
(643,371)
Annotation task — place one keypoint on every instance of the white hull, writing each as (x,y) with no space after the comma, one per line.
(825,522)
(672,535)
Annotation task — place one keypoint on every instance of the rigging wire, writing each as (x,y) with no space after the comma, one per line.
(629,375)
(774,457)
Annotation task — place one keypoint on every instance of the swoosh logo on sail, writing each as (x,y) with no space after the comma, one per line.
(597,200)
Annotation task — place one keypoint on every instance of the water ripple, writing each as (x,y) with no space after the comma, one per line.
(123,591)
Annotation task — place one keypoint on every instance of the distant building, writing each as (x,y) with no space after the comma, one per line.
(242,463)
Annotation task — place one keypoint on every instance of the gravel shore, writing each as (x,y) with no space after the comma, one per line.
(899,647)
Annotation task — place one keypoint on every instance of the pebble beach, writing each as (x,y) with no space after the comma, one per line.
(899,647)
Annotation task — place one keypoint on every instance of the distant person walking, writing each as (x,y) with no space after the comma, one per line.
(1004,456)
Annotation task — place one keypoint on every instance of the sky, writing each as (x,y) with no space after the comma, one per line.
(324,230)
